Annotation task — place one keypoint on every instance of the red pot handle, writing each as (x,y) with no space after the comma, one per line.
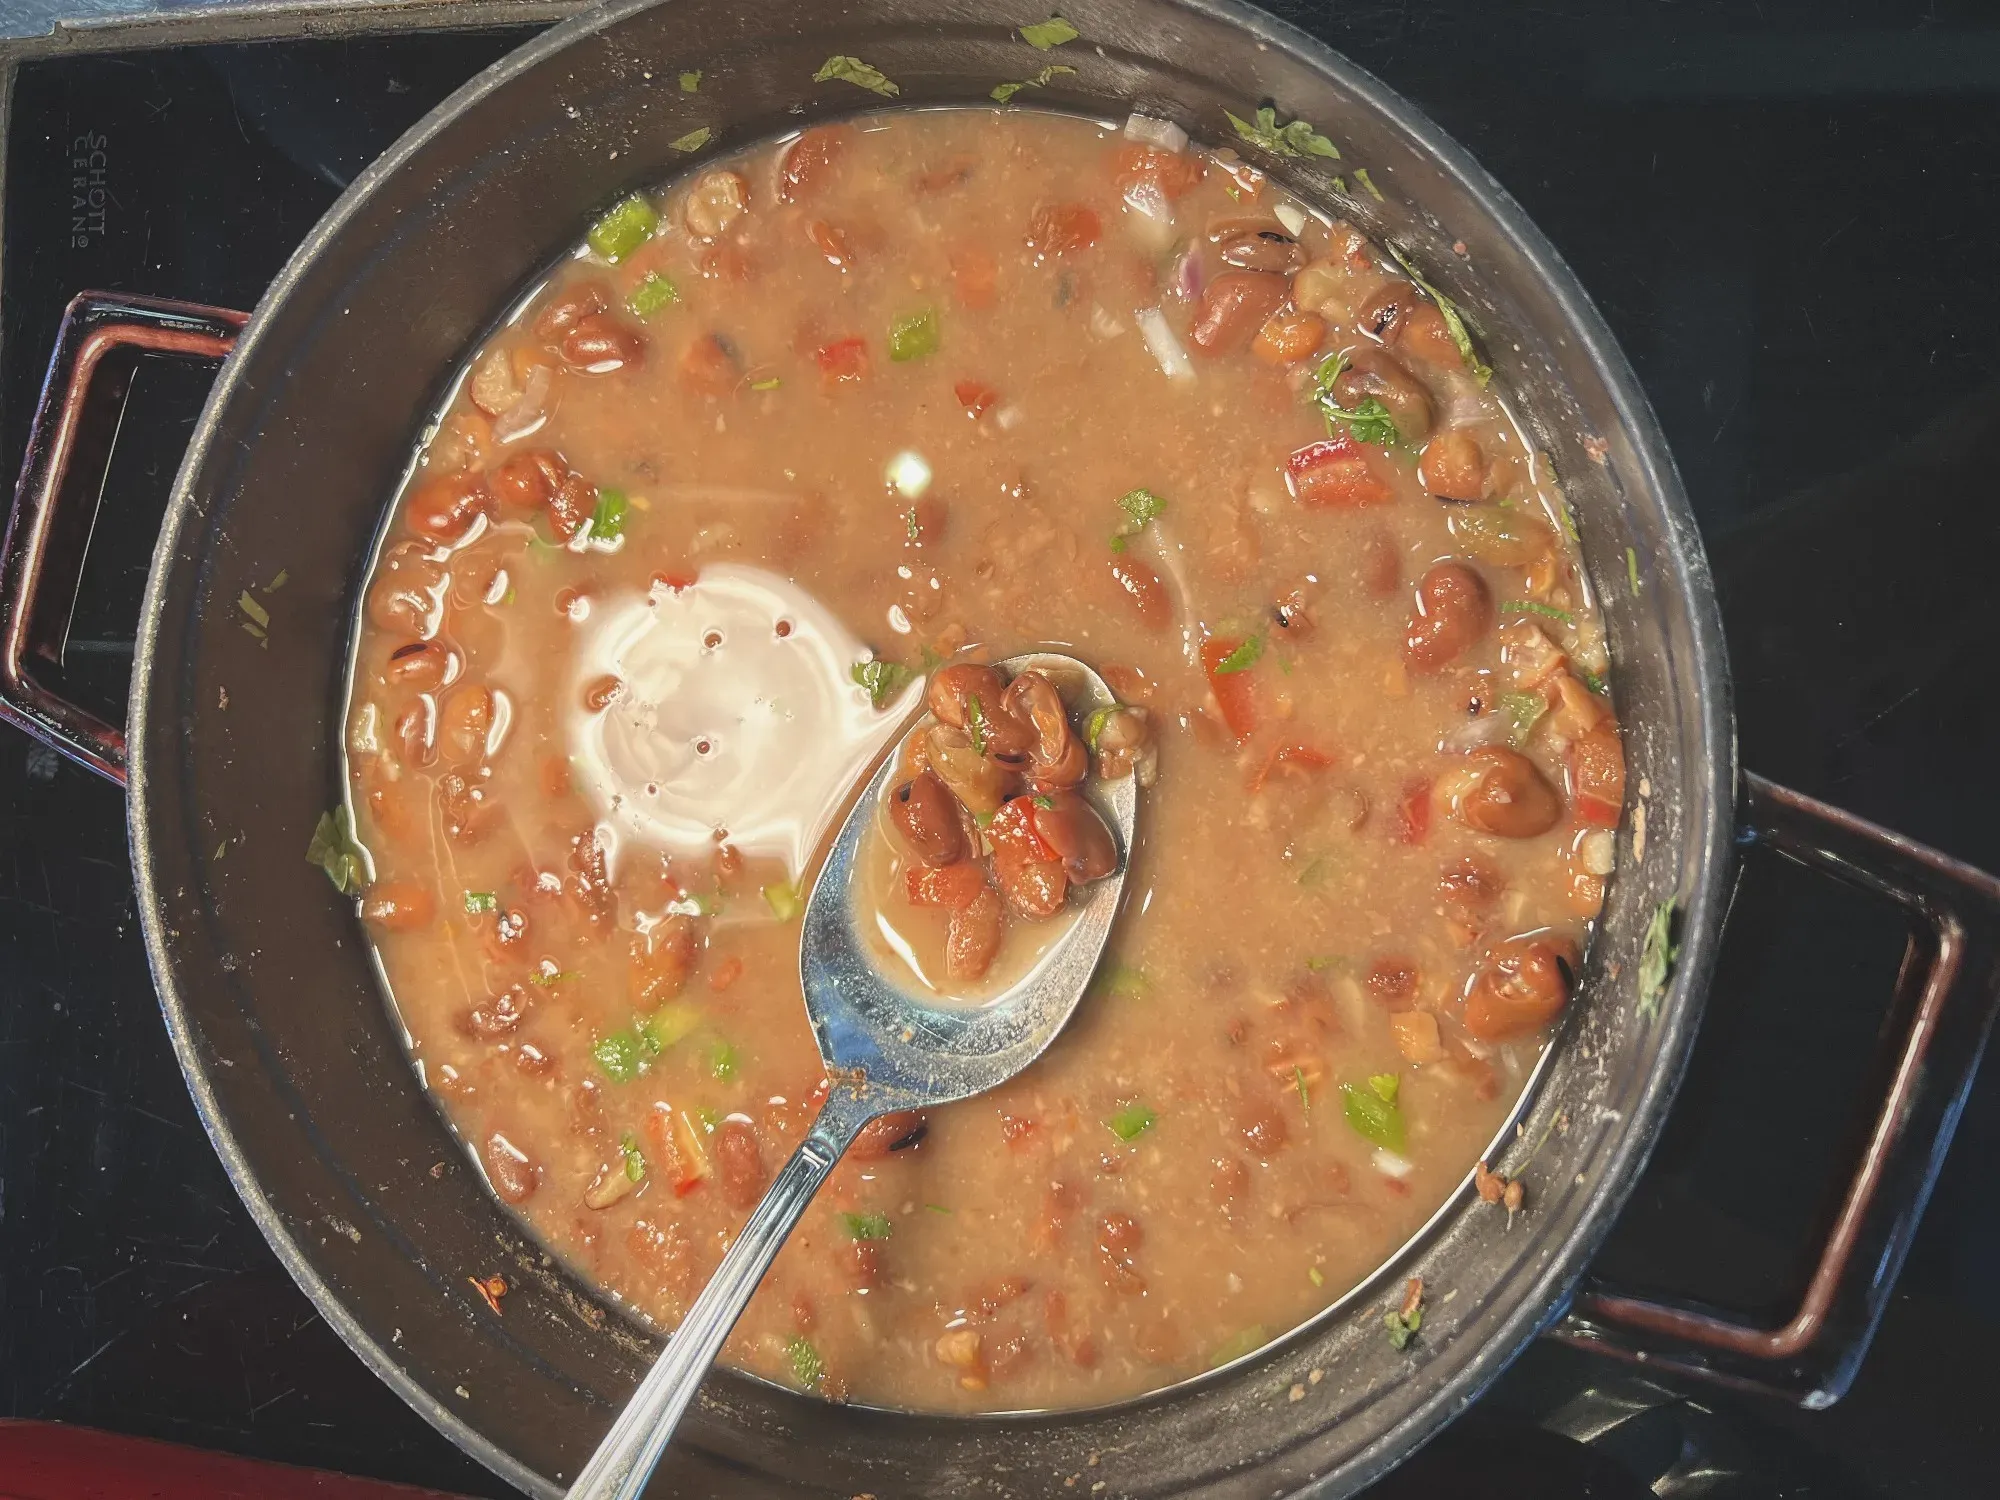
(1946,996)
(51,521)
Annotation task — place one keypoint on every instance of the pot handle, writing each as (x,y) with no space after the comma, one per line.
(82,397)
(1946,996)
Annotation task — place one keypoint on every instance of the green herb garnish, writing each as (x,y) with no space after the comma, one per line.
(936,1208)
(1403,1326)
(652,294)
(635,1161)
(1370,422)
(1122,980)
(1305,1094)
(783,899)
(334,849)
(853,70)
(867,1226)
(1529,607)
(477,902)
(914,337)
(1002,92)
(628,225)
(768,383)
(1099,717)
(723,1061)
(1454,322)
(1047,804)
(807,1367)
(691,82)
(1053,32)
(975,724)
(1656,957)
(881,680)
(1237,1345)
(607,522)
(278,582)
(1385,1086)
(1373,1117)
(1298,139)
(1315,1276)
(1142,506)
(1361,176)
(1322,961)
(254,610)
(618,1055)
(1592,681)
(1243,658)
(694,140)
(1523,712)
(1130,1121)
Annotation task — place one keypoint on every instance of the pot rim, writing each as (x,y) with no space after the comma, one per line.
(1708,827)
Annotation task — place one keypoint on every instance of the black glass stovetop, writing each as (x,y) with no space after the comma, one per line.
(1788,214)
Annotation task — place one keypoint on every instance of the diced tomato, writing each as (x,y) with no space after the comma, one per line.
(726,973)
(1175,173)
(1014,827)
(1292,757)
(954,887)
(974,274)
(1062,229)
(1335,474)
(1235,693)
(842,360)
(1597,777)
(673,583)
(974,397)
(1413,812)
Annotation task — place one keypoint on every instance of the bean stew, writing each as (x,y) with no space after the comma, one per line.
(805,442)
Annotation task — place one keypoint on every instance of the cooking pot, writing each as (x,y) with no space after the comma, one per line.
(232,746)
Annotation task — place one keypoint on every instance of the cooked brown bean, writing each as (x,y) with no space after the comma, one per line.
(1056,758)
(1142,586)
(448,507)
(977,781)
(1262,250)
(1384,314)
(1454,609)
(573,502)
(1233,307)
(526,480)
(1263,1130)
(1374,373)
(950,694)
(884,1134)
(422,665)
(572,307)
(1520,987)
(714,203)
(398,906)
(465,721)
(972,936)
(1454,467)
(739,1160)
(512,1172)
(600,344)
(1505,795)
(1072,827)
(407,595)
(926,815)
(810,161)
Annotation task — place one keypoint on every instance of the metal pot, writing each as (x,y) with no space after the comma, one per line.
(298,1069)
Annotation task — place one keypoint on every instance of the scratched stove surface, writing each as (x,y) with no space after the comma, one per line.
(1789,227)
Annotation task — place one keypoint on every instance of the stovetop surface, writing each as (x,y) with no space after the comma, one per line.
(1786,214)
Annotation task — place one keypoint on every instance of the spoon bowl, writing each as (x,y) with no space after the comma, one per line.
(886,1049)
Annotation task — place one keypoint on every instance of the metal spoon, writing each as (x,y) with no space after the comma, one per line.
(885,1050)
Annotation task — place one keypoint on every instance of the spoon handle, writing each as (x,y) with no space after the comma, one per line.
(624,1461)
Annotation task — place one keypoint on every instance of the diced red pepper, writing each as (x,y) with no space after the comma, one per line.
(954,887)
(1413,812)
(1292,756)
(1063,229)
(1014,827)
(1597,777)
(975,398)
(1335,474)
(1235,692)
(843,359)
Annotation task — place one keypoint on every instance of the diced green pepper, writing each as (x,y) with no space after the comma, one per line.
(672,1023)
(607,522)
(914,337)
(867,1226)
(1130,1121)
(783,899)
(722,1061)
(1373,1117)
(652,294)
(1523,711)
(627,226)
(807,1367)
(618,1055)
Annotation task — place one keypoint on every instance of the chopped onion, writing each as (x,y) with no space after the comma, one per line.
(1598,853)
(1487,729)
(1103,324)
(1292,217)
(1162,133)
(1007,418)
(1164,347)
(1389,1164)
(1185,278)
(526,416)
(1152,223)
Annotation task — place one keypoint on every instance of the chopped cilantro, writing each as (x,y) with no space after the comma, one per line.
(278,582)
(911,530)
(1130,1121)
(975,724)
(936,1208)
(617,1053)
(334,849)
(1243,658)
(1656,958)
(1523,711)
(1385,1086)
(867,1226)
(1370,422)
(1053,32)
(607,522)
(1529,607)
(914,337)
(1305,1095)
(635,1161)
(1094,725)
(1321,961)
(694,140)
(1632,570)
(1002,92)
(254,610)
(1142,505)
(1298,139)
(1047,804)
(691,81)
(881,680)
(628,225)
(853,70)
(768,383)
(807,1367)
(652,294)
(1592,681)
(1454,322)
(1403,1326)
(477,902)
(783,899)
(1373,1117)
(1361,176)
